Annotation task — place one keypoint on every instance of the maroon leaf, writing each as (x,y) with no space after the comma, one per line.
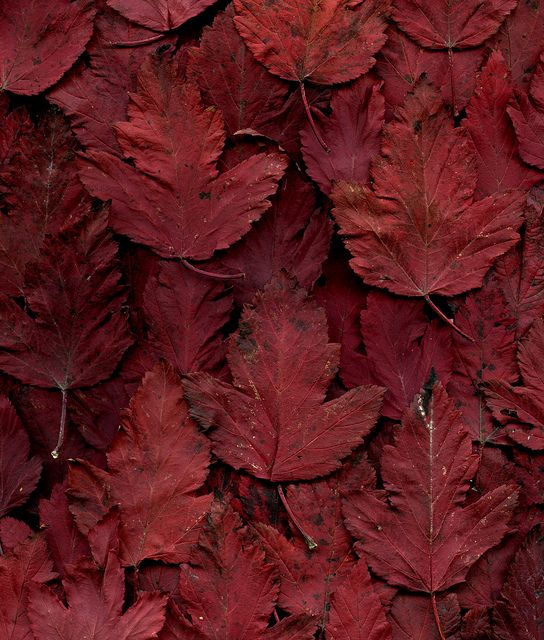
(418,232)
(94,608)
(175,144)
(272,422)
(19,475)
(40,42)
(423,538)
(157,465)
(160,15)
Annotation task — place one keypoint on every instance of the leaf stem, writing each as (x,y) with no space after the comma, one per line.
(437,617)
(444,317)
(311,119)
(276,616)
(125,44)
(62,426)
(312,544)
(211,274)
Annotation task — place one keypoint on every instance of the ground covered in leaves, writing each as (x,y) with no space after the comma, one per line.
(271,319)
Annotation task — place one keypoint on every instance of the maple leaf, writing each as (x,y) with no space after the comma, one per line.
(230,78)
(417,232)
(521,409)
(160,15)
(228,567)
(272,421)
(157,464)
(412,616)
(352,132)
(293,235)
(402,63)
(528,118)
(519,613)
(94,608)
(356,610)
(175,144)
(19,475)
(185,315)
(40,42)
(518,40)
(307,578)
(488,124)
(427,474)
(65,543)
(402,349)
(95,95)
(23,563)
(321,42)
(485,317)
(520,272)
(442,24)
(77,332)
(42,193)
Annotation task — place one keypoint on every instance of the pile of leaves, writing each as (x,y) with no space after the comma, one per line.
(272,319)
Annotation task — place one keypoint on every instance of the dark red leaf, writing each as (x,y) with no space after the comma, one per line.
(324,43)
(273,422)
(160,15)
(175,144)
(19,475)
(41,41)
(157,465)
(356,611)
(498,162)
(418,231)
(520,612)
(427,473)
(352,133)
(521,409)
(94,608)
(24,564)
(186,314)
(229,590)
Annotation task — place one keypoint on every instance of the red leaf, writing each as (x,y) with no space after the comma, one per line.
(402,349)
(427,473)
(485,317)
(156,466)
(94,608)
(175,144)
(160,15)
(272,422)
(230,78)
(417,231)
(521,408)
(43,195)
(40,42)
(402,63)
(528,118)
(94,97)
(519,614)
(294,235)
(441,24)
(25,564)
(19,475)
(77,332)
(356,610)
(488,124)
(185,314)
(308,578)
(519,40)
(65,543)
(521,271)
(229,590)
(324,43)
(412,617)
(352,133)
